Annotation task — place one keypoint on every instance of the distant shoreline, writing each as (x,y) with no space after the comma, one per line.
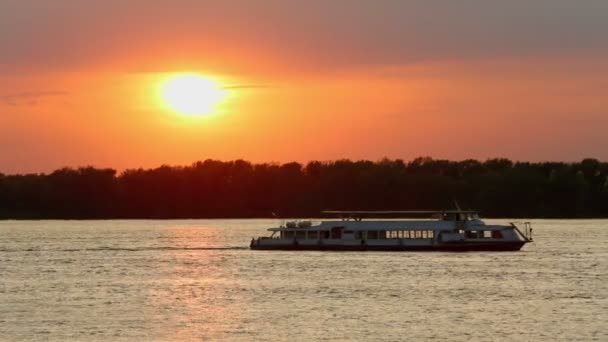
(213,189)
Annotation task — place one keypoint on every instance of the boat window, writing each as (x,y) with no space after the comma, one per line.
(496,234)
(372,234)
(423,234)
(300,234)
(288,234)
(473,234)
(336,232)
(450,217)
(313,234)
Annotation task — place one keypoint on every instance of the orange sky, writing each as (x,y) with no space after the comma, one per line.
(525,80)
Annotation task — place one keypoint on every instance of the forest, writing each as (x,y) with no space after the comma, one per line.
(240,189)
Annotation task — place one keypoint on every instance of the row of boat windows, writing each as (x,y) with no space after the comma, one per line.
(480,234)
(383,234)
(372,235)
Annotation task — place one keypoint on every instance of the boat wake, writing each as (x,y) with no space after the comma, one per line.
(130,249)
(164,248)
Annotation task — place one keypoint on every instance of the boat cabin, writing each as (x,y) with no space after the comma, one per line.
(444,230)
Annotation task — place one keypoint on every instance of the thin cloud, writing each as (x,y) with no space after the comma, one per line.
(246,86)
(29,97)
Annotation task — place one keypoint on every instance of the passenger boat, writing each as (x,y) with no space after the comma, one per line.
(448,230)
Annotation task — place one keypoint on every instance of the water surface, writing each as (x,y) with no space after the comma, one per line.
(197,280)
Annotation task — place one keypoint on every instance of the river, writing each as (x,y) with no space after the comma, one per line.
(176,280)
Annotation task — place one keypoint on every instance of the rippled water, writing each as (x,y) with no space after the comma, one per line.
(197,280)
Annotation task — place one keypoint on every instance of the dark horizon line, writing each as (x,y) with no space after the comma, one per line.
(303,164)
(498,188)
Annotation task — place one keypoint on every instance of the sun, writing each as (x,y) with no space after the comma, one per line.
(191,94)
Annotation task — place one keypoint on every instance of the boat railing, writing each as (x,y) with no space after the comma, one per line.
(300,224)
(527,229)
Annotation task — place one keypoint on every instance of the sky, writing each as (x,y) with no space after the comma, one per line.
(302,80)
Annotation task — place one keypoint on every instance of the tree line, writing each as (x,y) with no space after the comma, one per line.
(227,189)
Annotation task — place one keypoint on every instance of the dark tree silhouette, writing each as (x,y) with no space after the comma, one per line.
(212,188)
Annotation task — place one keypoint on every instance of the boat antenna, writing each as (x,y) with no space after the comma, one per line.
(281,221)
(457,206)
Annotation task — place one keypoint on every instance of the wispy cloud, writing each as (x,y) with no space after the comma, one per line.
(246,86)
(29,97)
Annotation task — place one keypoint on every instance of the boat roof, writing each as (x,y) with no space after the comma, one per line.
(390,225)
(397,212)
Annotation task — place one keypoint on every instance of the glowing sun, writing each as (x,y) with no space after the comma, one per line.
(191,94)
